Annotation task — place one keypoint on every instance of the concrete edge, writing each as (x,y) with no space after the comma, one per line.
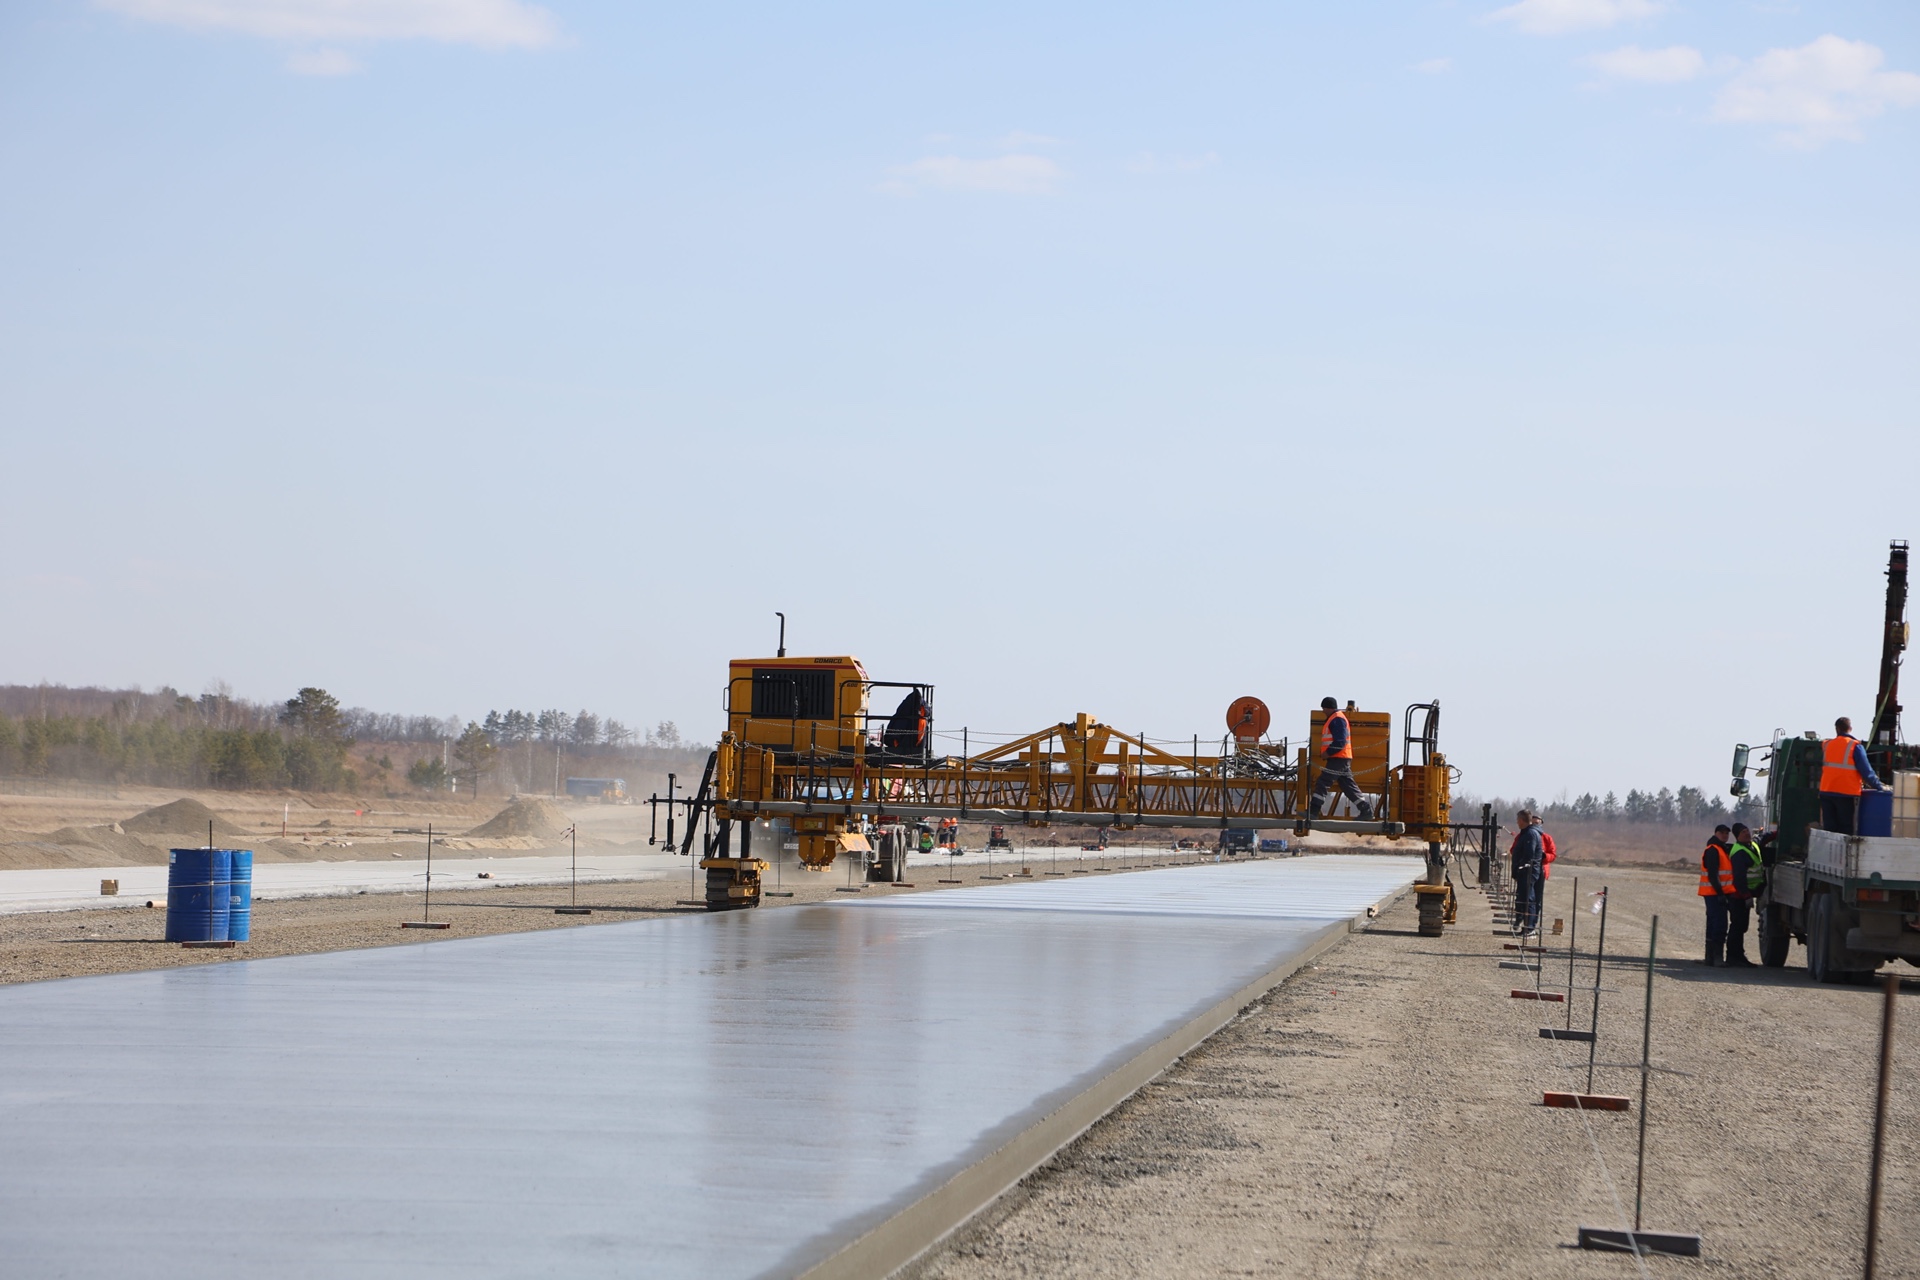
(909,1233)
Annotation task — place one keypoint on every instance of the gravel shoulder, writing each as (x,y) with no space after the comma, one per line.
(1379,1115)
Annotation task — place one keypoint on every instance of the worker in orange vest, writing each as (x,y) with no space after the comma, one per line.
(1719,886)
(1749,877)
(1336,768)
(1843,771)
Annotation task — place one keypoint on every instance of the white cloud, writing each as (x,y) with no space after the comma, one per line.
(1819,91)
(1557,17)
(324,62)
(1018,173)
(1434,66)
(1666,66)
(494,24)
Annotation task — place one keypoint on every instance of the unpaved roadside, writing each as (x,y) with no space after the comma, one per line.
(1379,1115)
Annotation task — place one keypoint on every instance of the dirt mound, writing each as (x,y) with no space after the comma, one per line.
(524,816)
(181,818)
(115,847)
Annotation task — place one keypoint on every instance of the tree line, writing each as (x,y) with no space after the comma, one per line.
(165,738)
(1683,807)
(172,740)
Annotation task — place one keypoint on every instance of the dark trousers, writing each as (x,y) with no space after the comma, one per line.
(1336,773)
(1717,914)
(1836,812)
(1527,888)
(1739,914)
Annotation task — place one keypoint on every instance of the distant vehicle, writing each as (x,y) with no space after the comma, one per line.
(1235,843)
(607,790)
(997,838)
(1274,846)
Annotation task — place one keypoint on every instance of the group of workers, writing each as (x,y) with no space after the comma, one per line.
(1733,865)
(1533,853)
(1732,873)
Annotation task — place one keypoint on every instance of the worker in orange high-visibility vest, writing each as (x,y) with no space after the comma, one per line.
(1336,763)
(1719,886)
(1844,773)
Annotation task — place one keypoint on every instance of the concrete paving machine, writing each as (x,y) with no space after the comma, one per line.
(804,742)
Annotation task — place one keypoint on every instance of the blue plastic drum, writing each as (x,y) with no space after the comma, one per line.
(1876,813)
(240,896)
(198,894)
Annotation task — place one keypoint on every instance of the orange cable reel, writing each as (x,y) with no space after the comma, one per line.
(1248,718)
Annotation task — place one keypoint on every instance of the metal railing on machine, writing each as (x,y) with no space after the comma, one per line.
(1474,846)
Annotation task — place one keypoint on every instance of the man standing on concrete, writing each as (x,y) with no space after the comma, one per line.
(1749,876)
(1718,888)
(1843,769)
(1336,768)
(1529,875)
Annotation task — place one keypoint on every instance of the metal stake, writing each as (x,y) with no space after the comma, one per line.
(1573,935)
(1599,963)
(1880,1123)
(1646,1073)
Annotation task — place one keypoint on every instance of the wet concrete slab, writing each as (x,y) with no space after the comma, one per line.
(730,1095)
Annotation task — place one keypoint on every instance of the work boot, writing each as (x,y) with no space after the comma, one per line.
(1714,954)
(1737,954)
(1366,811)
(1313,809)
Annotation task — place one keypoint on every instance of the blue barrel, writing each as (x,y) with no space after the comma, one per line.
(197,894)
(240,896)
(1876,813)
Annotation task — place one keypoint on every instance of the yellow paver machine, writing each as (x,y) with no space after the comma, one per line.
(803,743)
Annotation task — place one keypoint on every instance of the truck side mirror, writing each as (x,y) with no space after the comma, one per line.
(1740,752)
(1739,787)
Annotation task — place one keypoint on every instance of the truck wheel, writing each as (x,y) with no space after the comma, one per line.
(1821,944)
(1774,938)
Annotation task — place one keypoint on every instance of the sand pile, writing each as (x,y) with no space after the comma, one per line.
(524,816)
(115,846)
(181,818)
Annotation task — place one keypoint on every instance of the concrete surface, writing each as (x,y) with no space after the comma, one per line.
(729,1095)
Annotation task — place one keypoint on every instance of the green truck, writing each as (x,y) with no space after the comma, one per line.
(1852,900)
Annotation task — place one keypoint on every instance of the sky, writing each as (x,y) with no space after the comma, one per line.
(1555,360)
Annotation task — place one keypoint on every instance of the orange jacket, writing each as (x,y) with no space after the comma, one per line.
(1839,776)
(1716,865)
(1344,750)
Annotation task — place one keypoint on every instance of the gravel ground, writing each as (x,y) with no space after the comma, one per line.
(68,944)
(1379,1115)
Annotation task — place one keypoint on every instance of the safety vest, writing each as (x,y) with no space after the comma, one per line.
(1755,869)
(1838,777)
(1326,737)
(1721,866)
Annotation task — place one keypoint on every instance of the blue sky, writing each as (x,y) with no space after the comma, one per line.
(1554,360)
